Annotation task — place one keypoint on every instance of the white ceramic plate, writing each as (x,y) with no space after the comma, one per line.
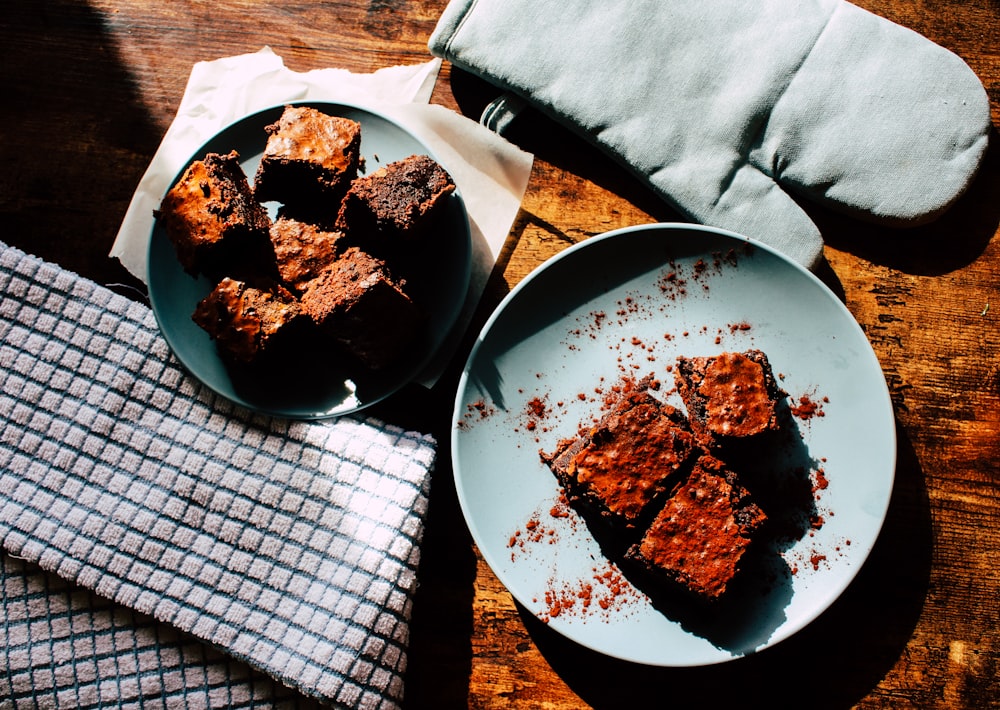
(630,302)
(328,391)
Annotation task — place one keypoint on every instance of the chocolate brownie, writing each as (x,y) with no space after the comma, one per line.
(309,160)
(303,250)
(360,305)
(627,460)
(396,202)
(729,397)
(700,535)
(247,322)
(212,218)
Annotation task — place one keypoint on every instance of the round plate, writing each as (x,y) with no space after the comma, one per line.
(328,392)
(628,303)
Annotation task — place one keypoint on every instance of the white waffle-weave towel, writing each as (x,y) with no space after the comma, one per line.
(66,647)
(291,546)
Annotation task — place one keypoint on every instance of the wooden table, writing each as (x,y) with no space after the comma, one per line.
(89,89)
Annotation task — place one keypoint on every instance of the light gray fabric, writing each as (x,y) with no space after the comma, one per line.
(727,106)
(65,647)
(291,546)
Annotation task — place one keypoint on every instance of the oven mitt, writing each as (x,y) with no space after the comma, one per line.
(728,109)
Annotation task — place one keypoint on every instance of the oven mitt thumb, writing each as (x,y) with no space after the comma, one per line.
(726,108)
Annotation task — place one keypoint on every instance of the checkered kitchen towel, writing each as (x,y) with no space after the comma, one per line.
(291,546)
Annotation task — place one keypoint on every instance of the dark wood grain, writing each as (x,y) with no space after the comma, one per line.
(90,88)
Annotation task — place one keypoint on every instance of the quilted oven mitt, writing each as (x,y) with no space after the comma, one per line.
(728,107)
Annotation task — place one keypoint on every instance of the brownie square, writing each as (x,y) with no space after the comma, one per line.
(357,302)
(729,397)
(617,469)
(702,532)
(247,322)
(309,161)
(396,203)
(212,218)
(303,250)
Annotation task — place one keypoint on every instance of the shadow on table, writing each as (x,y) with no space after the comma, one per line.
(832,663)
(954,240)
(439,657)
(77,137)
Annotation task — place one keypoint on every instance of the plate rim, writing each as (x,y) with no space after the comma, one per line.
(844,580)
(412,373)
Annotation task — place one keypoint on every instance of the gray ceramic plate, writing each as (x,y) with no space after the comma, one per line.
(329,390)
(627,303)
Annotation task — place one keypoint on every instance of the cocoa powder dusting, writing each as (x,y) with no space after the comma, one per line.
(476,411)
(606,593)
(536,407)
(807,407)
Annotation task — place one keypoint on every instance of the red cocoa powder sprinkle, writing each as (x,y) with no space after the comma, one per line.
(480,406)
(537,407)
(807,407)
(476,411)
(595,322)
(533,532)
(672,285)
(606,592)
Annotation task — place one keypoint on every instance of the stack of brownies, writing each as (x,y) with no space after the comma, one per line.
(331,264)
(666,482)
